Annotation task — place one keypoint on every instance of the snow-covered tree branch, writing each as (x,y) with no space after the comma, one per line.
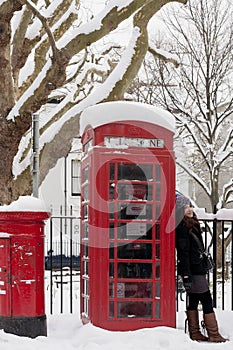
(60,49)
(198,92)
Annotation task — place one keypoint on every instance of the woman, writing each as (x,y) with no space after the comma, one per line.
(194,275)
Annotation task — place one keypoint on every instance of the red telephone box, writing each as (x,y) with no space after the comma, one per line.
(22,308)
(127,230)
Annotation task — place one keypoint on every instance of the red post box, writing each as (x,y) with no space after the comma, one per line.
(22,306)
(127,230)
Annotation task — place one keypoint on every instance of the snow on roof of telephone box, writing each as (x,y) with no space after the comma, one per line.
(109,112)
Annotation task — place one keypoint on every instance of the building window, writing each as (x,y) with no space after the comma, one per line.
(75,177)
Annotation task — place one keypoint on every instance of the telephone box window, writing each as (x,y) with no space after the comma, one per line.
(85,230)
(157,254)
(134,250)
(134,270)
(157,310)
(85,193)
(158,193)
(86,287)
(111,251)
(111,191)
(131,290)
(111,269)
(85,209)
(134,230)
(111,309)
(131,171)
(157,270)
(134,192)
(111,210)
(157,212)
(85,267)
(85,174)
(111,290)
(157,231)
(111,230)
(86,251)
(158,172)
(134,309)
(112,171)
(157,287)
(131,211)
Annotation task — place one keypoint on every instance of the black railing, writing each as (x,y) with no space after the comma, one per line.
(62,262)
(217,235)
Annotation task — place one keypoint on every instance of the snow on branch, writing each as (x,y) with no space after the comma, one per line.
(183,165)
(164,55)
(43,20)
(95,97)
(30,91)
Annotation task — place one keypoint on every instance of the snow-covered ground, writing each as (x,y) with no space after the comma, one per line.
(65,331)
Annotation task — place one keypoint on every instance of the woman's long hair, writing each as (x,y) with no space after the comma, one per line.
(192,224)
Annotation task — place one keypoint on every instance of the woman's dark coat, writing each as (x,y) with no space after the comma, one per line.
(189,261)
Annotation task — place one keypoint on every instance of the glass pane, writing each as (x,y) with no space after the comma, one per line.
(86,250)
(134,290)
(130,211)
(157,270)
(134,270)
(85,193)
(85,210)
(111,269)
(134,309)
(157,290)
(111,290)
(85,230)
(134,230)
(158,173)
(132,191)
(85,267)
(134,250)
(111,251)
(157,231)
(157,310)
(76,190)
(158,193)
(158,212)
(111,210)
(157,251)
(86,287)
(86,306)
(112,167)
(131,171)
(111,230)
(111,309)
(75,167)
(85,174)
(111,191)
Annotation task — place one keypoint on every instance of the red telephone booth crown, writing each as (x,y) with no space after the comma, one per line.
(127,194)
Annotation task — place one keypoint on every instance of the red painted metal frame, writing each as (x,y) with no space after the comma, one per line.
(97,160)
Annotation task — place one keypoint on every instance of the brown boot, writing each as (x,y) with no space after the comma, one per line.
(193,326)
(212,329)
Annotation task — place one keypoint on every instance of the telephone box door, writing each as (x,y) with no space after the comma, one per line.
(5,278)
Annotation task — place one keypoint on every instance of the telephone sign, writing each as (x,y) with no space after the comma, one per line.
(132,142)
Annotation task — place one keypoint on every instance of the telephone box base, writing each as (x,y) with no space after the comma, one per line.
(31,327)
